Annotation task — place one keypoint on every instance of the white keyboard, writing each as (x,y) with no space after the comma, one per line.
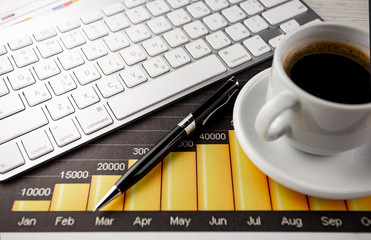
(86,70)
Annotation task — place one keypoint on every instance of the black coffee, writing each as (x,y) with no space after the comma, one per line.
(332,71)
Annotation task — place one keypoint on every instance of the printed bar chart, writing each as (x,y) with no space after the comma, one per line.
(99,186)
(360,204)
(31,206)
(217,177)
(251,191)
(179,185)
(319,204)
(145,195)
(70,197)
(215,190)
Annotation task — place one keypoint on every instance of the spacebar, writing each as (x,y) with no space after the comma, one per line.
(166,86)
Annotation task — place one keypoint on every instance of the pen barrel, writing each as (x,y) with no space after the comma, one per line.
(151,159)
(217,100)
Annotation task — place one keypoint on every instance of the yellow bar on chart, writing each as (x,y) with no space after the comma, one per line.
(285,199)
(31,205)
(251,191)
(145,195)
(70,197)
(99,186)
(131,162)
(359,204)
(179,185)
(320,204)
(215,190)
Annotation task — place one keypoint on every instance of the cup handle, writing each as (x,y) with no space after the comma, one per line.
(268,123)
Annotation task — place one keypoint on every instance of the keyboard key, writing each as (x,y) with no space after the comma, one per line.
(235,1)
(198,48)
(234,14)
(156,66)
(45,34)
(93,119)
(215,22)
(138,15)
(91,16)
(70,59)
(64,132)
(94,50)
(218,40)
(117,22)
(133,3)
(59,108)
(95,30)
(21,78)
(3,88)
(20,43)
(272,3)
(85,97)
(132,55)
(154,46)
(36,149)
(111,64)
(21,123)
(62,84)
(5,65)
(178,3)
(157,7)
(252,7)
(256,46)
(256,24)
(25,57)
(11,157)
(159,25)
(68,25)
(46,69)
(237,32)
(2,50)
(109,86)
(177,57)
(73,39)
(195,29)
(289,26)
(175,37)
(284,12)
(179,17)
(198,10)
(86,74)
(125,105)
(113,9)
(36,94)
(133,76)
(217,5)
(10,104)
(116,41)
(276,40)
(49,48)
(138,33)
(234,55)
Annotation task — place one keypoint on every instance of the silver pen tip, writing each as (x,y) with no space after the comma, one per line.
(108,197)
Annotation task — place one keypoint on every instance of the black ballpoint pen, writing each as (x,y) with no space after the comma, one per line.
(195,119)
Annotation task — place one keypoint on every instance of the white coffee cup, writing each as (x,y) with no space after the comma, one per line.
(307,122)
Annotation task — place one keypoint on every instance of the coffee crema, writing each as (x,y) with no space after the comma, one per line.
(332,71)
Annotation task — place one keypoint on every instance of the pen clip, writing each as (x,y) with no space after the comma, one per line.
(229,97)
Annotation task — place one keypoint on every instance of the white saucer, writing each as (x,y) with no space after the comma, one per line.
(342,176)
